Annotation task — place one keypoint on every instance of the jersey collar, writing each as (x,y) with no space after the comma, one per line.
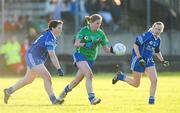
(154,37)
(53,35)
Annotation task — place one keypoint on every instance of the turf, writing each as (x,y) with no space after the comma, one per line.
(118,98)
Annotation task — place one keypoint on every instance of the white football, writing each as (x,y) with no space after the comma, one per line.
(119,49)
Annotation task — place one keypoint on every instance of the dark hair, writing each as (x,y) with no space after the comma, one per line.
(54,24)
(93,18)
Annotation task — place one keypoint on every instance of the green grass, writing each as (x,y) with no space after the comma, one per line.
(119,98)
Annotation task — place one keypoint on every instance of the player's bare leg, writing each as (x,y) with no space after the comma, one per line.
(151,72)
(79,77)
(133,81)
(44,73)
(28,78)
(86,70)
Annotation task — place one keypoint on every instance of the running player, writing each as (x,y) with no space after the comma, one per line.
(87,41)
(35,58)
(142,59)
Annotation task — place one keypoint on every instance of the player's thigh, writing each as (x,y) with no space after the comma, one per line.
(84,68)
(30,74)
(151,72)
(42,71)
(79,75)
(136,76)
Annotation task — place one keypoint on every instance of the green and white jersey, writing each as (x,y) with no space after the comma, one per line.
(87,35)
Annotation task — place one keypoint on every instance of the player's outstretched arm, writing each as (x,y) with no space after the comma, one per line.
(136,49)
(55,62)
(160,57)
(108,49)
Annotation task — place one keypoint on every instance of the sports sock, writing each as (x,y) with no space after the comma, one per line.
(52,98)
(151,97)
(67,89)
(151,100)
(121,77)
(91,96)
(10,90)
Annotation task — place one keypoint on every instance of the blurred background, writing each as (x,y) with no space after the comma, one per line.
(22,21)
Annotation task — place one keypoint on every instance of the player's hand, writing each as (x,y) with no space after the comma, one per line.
(89,45)
(60,72)
(111,50)
(165,63)
(142,62)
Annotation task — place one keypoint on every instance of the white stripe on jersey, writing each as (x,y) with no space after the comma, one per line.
(133,62)
(31,59)
(74,59)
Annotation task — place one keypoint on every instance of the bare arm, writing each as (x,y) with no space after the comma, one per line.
(159,56)
(78,43)
(106,49)
(54,59)
(136,48)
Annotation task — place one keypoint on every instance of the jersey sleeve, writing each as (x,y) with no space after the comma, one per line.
(143,38)
(50,43)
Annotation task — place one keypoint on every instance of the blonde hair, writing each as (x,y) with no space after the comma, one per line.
(157,23)
(93,18)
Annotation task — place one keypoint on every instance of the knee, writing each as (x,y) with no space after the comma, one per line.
(89,76)
(154,81)
(47,78)
(136,84)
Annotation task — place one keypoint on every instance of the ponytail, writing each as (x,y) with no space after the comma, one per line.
(87,19)
(92,18)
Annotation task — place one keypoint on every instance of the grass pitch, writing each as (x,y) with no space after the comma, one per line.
(118,98)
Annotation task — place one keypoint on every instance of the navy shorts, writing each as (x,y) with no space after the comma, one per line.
(135,66)
(80,57)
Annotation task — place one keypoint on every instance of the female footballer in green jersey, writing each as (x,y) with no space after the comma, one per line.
(87,41)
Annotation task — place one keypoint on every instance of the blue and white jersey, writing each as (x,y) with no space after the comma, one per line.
(147,44)
(38,52)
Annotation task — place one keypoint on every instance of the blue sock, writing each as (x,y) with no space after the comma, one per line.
(10,90)
(67,89)
(91,96)
(151,97)
(151,100)
(121,76)
(52,98)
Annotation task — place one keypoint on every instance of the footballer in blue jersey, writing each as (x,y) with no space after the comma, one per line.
(38,52)
(147,42)
(36,56)
(142,59)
